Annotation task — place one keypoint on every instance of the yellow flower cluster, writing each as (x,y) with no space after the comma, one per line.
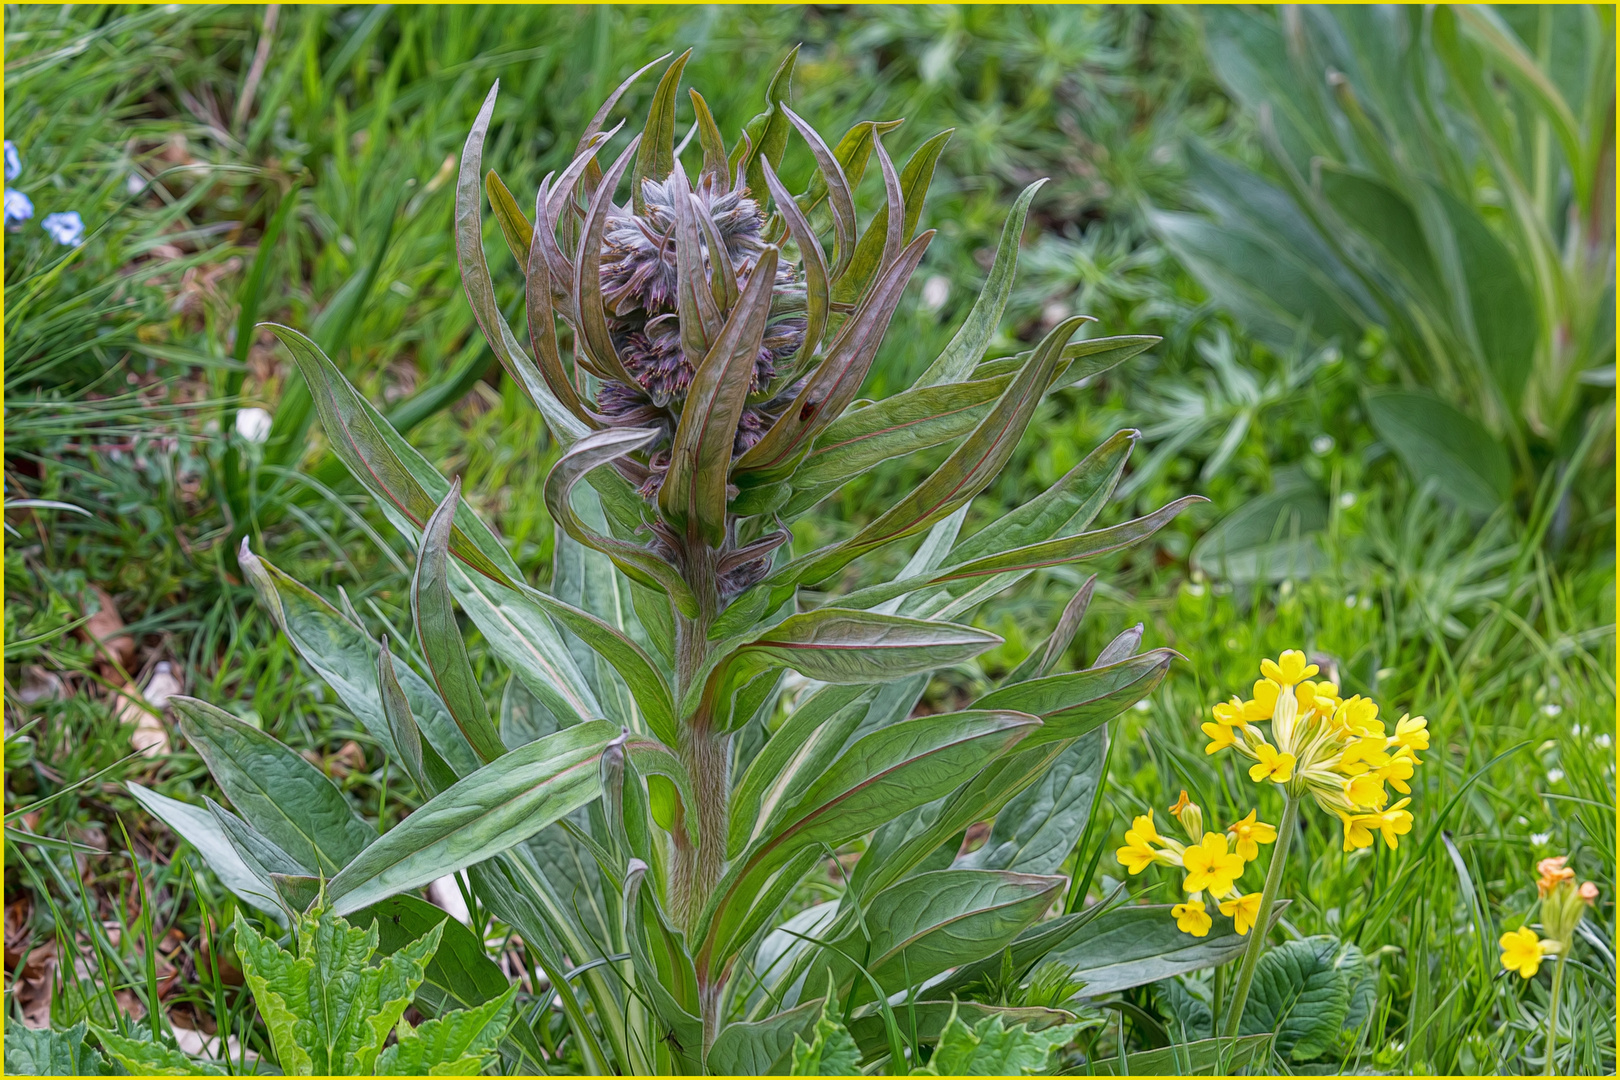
(1333,748)
(1213,862)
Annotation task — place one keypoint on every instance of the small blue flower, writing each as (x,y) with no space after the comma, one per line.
(65,228)
(13,161)
(19,208)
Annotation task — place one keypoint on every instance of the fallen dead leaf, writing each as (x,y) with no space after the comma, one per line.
(32,984)
(143,709)
(105,630)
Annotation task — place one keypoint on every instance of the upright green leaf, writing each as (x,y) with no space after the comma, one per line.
(202,830)
(275,789)
(657,154)
(439,634)
(1072,704)
(1437,442)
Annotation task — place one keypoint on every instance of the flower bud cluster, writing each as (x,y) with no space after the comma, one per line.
(1562,905)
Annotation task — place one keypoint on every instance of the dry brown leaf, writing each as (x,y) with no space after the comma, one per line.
(105,630)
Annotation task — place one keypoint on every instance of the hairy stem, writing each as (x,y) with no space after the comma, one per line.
(1262,923)
(1552,1010)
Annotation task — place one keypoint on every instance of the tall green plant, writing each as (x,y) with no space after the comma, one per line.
(647,798)
(1438,179)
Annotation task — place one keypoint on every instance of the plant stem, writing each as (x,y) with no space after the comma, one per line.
(1262,923)
(1552,1009)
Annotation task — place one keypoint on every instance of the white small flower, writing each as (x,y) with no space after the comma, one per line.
(253,424)
(1539,838)
(1322,445)
(135,184)
(1350,600)
(19,208)
(1142,706)
(66,228)
(935,291)
(13,161)
(1552,708)
(1603,741)
(1555,775)
(1347,499)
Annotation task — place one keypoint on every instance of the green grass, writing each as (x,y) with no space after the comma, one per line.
(123,371)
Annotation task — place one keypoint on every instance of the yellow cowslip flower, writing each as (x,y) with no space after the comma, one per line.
(1138,853)
(1399,770)
(1394,822)
(1522,951)
(1366,752)
(1229,713)
(1210,866)
(1272,765)
(1289,668)
(1249,835)
(1220,736)
(1191,918)
(1411,732)
(1244,911)
(1359,716)
(1356,832)
(1366,790)
(1321,698)
(1264,703)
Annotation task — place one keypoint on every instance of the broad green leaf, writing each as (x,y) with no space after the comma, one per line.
(459,975)
(1072,704)
(639,563)
(461,1043)
(926,1020)
(836,380)
(50,1052)
(439,634)
(1437,442)
(1271,538)
(482,815)
(1024,953)
(346,657)
(830,1052)
(839,646)
(199,828)
(1386,220)
(1138,944)
(657,155)
(1038,829)
(764,1047)
(279,793)
(480,289)
(1219,1057)
(693,494)
(141,1057)
(329,1009)
(1500,305)
(990,1048)
(967,347)
(930,923)
(1303,993)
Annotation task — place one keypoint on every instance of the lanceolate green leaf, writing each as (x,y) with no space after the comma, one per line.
(202,830)
(966,349)
(715,169)
(275,789)
(935,921)
(832,182)
(482,815)
(697,311)
(1072,704)
(835,382)
(595,343)
(839,646)
(657,154)
(818,294)
(344,655)
(693,494)
(767,132)
(480,289)
(1036,831)
(440,635)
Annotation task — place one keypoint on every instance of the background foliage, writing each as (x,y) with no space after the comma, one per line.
(233,164)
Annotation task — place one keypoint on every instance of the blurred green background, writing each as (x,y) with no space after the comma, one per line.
(1378,245)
